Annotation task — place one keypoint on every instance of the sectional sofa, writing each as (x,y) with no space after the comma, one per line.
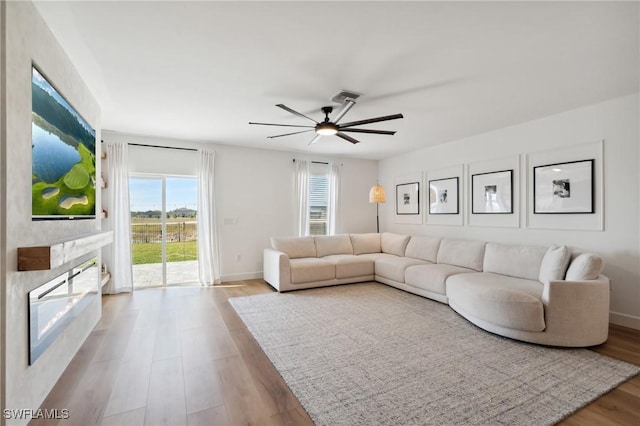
(554,295)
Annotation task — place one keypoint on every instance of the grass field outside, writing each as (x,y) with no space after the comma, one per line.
(152,252)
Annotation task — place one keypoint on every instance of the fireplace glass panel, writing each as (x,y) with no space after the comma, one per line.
(55,304)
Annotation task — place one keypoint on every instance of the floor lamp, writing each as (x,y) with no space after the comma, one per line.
(377,195)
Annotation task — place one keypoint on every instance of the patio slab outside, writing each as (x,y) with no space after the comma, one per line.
(178,273)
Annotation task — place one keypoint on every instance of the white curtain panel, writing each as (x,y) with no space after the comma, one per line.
(302,197)
(334,193)
(208,251)
(120,213)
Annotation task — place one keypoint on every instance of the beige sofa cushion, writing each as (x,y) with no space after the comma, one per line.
(333,244)
(432,277)
(509,302)
(350,266)
(295,247)
(394,243)
(425,248)
(518,261)
(554,264)
(393,267)
(587,266)
(308,269)
(464,253)
(365,243)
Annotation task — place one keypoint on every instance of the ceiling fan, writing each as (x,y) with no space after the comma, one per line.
(329,127)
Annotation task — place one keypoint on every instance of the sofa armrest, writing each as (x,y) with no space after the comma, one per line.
(276,269)
(578,310)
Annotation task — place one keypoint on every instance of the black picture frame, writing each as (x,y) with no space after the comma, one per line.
(440,197)
(408,198)
(492,192)
(564,188)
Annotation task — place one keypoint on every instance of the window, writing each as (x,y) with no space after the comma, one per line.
(319,199)
(316,198)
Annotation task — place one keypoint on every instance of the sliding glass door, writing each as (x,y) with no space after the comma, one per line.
(163,230)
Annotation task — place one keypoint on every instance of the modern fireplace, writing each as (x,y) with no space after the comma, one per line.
(55,304)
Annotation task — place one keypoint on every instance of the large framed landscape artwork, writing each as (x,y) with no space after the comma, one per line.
(63,159)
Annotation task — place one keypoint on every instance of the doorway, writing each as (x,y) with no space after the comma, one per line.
(164,234)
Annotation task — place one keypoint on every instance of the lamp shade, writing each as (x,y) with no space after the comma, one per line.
(376,194)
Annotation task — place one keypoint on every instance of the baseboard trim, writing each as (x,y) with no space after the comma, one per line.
(242,276)
(624,320)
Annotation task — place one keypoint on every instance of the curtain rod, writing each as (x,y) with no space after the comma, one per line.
(165,147)
(314,162)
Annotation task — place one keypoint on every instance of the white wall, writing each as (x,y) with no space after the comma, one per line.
(29,39)
(617,123)
(3,204)
(255,195)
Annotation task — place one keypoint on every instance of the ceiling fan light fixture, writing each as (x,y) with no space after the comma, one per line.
(326,129)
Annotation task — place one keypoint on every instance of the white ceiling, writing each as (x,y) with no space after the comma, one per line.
(202,70)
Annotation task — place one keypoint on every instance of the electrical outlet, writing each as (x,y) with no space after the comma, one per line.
(238,258)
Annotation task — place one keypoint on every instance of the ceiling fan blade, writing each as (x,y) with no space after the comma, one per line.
(288,134)
(286,108)
(315,139)
(376,132)
(348,104)
(347,138)
(274,124)
(371,120)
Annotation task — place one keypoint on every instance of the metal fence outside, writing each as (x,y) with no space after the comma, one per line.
(152,232)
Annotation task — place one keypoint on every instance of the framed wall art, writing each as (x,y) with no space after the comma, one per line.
(564,188)
(443,196)
(408,198)
(492,192)
(445,209)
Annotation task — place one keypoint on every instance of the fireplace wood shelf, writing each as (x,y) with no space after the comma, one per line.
(105,278)
(49,256)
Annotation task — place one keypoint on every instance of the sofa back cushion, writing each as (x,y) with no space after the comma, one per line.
(365,243)
(394,243)
(425,248)
(295,247)
(516,260)
(464,253)
(333,244)
(554,263)
(586,266)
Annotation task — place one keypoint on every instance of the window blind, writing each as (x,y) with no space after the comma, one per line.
(318,198)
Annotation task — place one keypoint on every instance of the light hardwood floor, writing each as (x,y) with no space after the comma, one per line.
(183,356)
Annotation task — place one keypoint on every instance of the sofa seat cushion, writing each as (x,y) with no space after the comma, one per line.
(375,256)
(432,277)
(349,266)
(393,267)
(509,302)
(308,269)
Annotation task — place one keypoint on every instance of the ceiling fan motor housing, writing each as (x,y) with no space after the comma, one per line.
(326,128)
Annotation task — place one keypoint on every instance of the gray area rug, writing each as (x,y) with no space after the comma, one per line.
(368,354)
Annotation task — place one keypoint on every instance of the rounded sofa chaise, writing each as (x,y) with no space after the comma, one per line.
(554,295)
